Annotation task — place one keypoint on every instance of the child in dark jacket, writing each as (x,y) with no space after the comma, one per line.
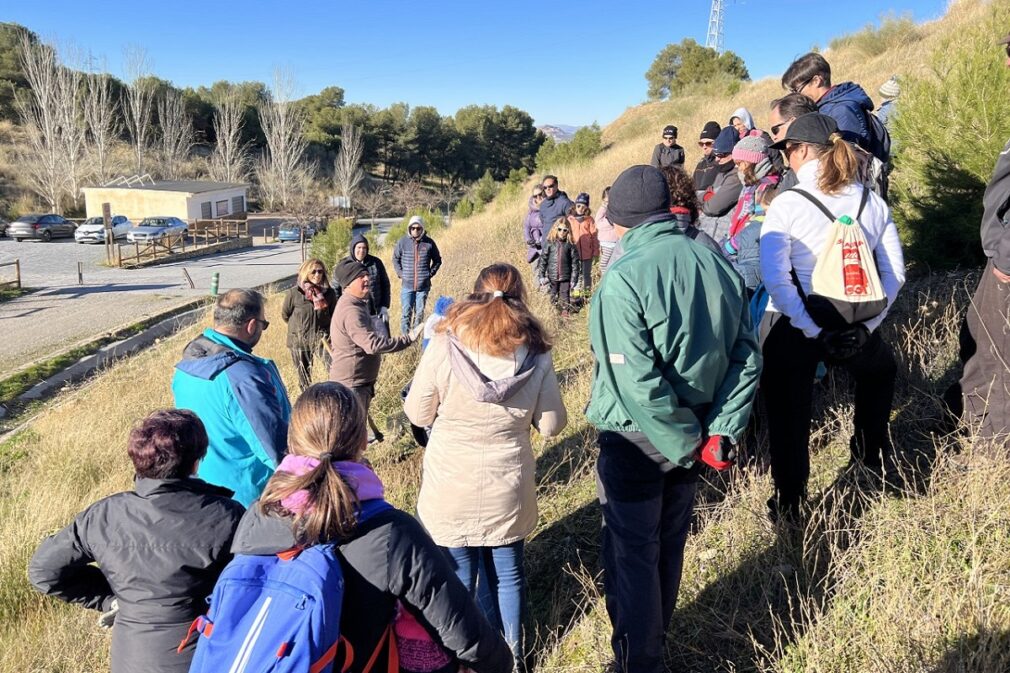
(559,263)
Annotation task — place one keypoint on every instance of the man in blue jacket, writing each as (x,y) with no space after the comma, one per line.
(240,397)
(846,103)
(416,260)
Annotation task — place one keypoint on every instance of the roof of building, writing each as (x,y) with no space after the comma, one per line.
(187,186)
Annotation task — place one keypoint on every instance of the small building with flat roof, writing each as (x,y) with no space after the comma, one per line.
(138,198)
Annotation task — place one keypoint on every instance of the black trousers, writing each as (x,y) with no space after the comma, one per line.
(646,515)
(790,361)
(986,380)
(302,359)
(561,293)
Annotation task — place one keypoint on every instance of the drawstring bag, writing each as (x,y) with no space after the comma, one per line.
(845,289)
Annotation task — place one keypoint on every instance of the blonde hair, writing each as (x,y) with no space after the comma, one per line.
(306,268)
(839,165)
(495,319)
(327,423)
(553,236)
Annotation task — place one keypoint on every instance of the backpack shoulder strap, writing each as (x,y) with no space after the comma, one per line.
(810,197)
(862,201)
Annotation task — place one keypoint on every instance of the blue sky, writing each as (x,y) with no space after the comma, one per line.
(564,62)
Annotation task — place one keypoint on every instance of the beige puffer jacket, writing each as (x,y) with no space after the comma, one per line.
(478,484)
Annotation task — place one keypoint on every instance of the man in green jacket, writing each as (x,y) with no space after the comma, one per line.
(677,367)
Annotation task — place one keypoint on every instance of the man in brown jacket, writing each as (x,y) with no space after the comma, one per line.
(355,344)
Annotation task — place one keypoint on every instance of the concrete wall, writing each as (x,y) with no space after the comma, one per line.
(137,204)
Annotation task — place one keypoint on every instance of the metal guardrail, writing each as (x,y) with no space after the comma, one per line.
(12,284)
(204,234)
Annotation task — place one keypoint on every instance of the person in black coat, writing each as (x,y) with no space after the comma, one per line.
(157,550)
(378,285)
(386,558)
(308,308)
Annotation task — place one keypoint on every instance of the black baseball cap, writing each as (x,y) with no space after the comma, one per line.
(670,131)
(813,128)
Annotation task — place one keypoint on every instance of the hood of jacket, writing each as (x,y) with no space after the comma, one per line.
(846,92)
(358,238)
(745,115)
(211,353)
(480,386)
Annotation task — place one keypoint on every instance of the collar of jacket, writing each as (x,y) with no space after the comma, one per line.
(230,342)
(808,171)
(647,232)
(145,487)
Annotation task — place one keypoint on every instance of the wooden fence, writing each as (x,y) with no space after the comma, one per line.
(202,234)
(12,284)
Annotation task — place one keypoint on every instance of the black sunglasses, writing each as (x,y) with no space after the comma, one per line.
(798,89)
(550,186)
(723,155)
(263,323)
(1008,50)
(775,129)
(415,228)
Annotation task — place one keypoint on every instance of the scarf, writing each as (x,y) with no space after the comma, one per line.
(750,198)
(315,294)
(362,480)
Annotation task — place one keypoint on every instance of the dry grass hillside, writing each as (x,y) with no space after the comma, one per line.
(914,577)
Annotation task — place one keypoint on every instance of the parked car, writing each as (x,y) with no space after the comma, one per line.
(156,228)
(93,229)
(43,227)
(291,231)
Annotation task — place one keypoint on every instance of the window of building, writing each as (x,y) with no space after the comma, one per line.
(205,210)
(238,204)
(221,207)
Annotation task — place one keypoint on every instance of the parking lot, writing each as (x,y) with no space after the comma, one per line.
(63,312)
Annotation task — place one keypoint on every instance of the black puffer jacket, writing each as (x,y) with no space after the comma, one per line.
(390,558)
(378,279)
(559,262)
(159,550)
(307,326)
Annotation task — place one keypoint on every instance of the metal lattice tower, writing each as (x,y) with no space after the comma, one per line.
(714,38)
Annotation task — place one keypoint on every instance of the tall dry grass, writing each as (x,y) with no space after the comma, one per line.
(908,576)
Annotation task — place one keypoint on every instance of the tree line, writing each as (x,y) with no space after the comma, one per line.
(74,122)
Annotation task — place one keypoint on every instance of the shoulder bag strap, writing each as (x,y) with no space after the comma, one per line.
(810,197)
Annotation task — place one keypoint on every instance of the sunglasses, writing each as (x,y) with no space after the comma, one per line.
(775,129)
(801,87)
(723,155)
(316,272)
(263,323)
(706,143)
(415,228)
(1008,50)
(562,231)
(550,187)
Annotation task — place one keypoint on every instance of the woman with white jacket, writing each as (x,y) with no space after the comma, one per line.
(485,379)
(795,232)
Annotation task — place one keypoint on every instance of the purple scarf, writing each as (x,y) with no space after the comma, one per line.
(361,478)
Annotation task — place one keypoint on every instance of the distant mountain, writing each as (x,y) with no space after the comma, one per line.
(561,133)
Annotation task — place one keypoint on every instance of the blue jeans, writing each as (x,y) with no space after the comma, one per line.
(502,569)
(412,304)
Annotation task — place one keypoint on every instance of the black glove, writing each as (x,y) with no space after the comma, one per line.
(842,344)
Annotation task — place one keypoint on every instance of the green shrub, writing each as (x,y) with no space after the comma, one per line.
(434,222)
(485,189)
(586,144)
(948,130)
(873,41)
(464,208)
(334,243)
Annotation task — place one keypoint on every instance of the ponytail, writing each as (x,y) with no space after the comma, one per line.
(327,425)
(839,165)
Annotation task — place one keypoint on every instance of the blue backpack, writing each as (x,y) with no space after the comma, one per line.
(278,613)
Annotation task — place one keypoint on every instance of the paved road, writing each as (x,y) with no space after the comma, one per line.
(62,312)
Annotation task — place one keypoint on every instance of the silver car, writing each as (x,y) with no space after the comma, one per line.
(153,229)
(43,227)
(93,229)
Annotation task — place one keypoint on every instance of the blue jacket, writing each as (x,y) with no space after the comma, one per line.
(416,261)
(848,105)
(243,404)
(552,209)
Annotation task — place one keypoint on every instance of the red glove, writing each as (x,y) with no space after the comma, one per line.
(709,193)
(718,452)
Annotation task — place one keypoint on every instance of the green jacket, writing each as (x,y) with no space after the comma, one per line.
(676,356)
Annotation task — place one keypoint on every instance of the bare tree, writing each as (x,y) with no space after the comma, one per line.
(176,132)
(73,129)
(347,173)
(102,121)
(411,194)
(40,157)
(374,203)
(139,97)
(282,125)
(230,159)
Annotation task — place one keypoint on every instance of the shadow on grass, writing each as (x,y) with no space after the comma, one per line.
(985,651)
